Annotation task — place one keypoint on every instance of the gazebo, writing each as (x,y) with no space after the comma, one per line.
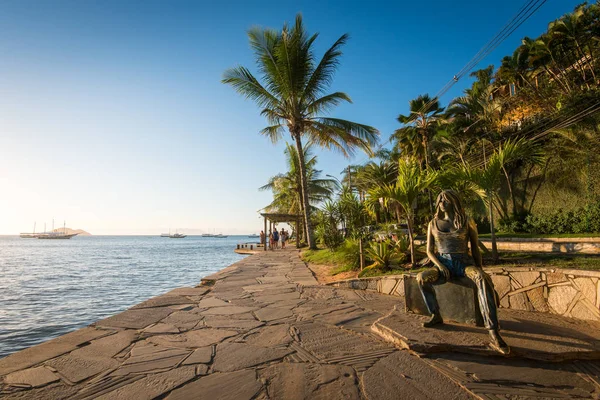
(273,218)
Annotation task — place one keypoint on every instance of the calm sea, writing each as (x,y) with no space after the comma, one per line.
(51,287)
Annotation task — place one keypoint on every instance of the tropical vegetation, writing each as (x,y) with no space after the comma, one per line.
(520,144)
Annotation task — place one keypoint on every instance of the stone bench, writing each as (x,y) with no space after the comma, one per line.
(457,299)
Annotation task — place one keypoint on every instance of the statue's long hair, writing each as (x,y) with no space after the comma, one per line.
(451,197)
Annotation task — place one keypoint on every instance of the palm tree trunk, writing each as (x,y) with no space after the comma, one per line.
(409,222)
(512,194)
(426,146)
(309,233)
(492,229)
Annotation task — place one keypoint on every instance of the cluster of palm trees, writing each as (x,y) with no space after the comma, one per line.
(498,144)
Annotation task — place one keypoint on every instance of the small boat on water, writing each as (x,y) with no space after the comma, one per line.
(32,235)
(253,236)
(177,236)
(220,236)
(56,235)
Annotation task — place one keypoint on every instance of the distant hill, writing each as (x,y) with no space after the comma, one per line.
(70,231)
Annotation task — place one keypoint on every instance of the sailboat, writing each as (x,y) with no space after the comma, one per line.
(29,235)
(57,235)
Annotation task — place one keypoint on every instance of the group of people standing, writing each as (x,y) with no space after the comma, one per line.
(276,239)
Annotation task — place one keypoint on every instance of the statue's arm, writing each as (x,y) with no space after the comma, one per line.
(431,253)
(474,239)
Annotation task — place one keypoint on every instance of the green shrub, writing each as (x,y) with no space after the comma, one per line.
(582,220)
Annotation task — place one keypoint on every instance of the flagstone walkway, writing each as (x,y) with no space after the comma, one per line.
(264,329)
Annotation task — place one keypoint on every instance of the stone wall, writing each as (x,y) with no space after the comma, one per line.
(571,293)
(554,245)
(589,245)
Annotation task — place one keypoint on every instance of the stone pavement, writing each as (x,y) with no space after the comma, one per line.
(264,329)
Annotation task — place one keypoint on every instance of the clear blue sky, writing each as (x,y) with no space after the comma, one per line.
(113,117)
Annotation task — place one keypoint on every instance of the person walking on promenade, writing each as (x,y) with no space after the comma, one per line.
(276,238)
(282,235)
(270,240)
(262,238)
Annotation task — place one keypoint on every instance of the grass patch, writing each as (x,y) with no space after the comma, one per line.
(551,260)
(392,271)
(324,256)
(536,235)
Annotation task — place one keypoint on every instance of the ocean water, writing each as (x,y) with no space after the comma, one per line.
(51,287)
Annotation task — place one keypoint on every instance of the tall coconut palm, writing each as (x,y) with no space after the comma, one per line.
(292,95)
(412,180)
(287,187)
(419,126)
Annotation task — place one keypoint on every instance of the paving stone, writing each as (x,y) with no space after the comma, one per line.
(159,360)
(202,355)
(240,385)
(402,375)
(208,302)
(271,288)
(310,381)
(107,346)
(50,349)
(275,298)
(537,336)
(153,385)
(226,322)
(78,368)
(193,339)
(272,313)
(55,391)
(559,298)
(184,320)
(331,343)
(161,328)
(229,310)
(270,336)
(135,319)
(273,279)
(162,301)
(34,377)
(235,356)
(188,291)
(508,376)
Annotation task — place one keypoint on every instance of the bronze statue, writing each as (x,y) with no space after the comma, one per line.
(450,231)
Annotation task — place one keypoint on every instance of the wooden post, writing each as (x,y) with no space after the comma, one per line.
(265,231)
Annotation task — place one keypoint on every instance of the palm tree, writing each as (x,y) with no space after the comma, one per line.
(287,187)
(571,27)
(292,95)
(412,180)
(488,178)
(419,126)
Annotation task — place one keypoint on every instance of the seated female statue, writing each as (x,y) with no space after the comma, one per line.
(450,232)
